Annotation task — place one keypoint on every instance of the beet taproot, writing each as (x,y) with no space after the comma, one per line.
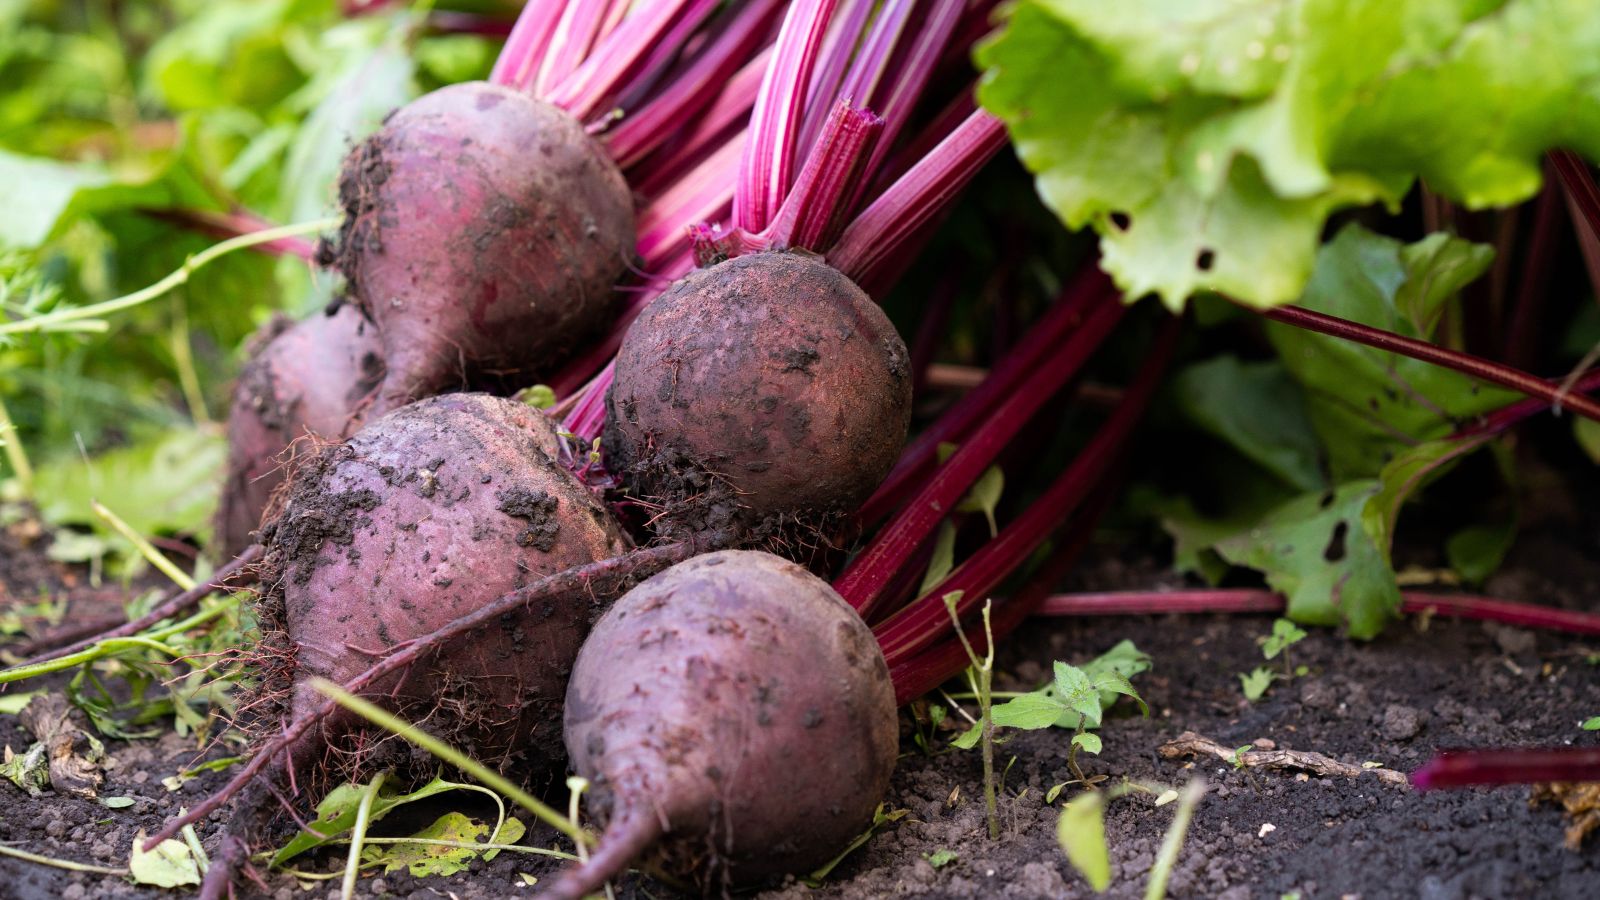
(305,381)
(736,714)
(425,515)
(483,232)
(774,374)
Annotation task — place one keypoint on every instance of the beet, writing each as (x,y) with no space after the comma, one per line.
(305,380)
(736,713)
(483,232)
(774,373)
(424,515)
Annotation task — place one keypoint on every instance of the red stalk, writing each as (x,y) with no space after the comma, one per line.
(623,56)
(1533,286)
(812,215)
(921,194)
(1465,363)
(1580,186)
(845,27)
(865,579)
(769,156)
(922,624)
(1044,339)
(939,663)
(715,126)
(456,22)
(646,128)
(518,63)
(1248,600)
(574,37)
(1470,768)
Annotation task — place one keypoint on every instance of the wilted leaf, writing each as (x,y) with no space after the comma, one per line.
(1081,831)
(170,864)
(436,859)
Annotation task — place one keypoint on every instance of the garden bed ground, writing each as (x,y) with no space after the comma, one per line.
(1392,701)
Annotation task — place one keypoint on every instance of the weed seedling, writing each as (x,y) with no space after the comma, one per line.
(1285,634)
(981,677)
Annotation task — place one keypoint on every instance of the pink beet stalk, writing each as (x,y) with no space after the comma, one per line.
(517,66)
(1484,768)
(812,215)
(715,126)
(646,128)
(1456,606)
(924,623)
(838,46)
(233,224)
(575,35)
(864,581)
(918,461)
(897,216)
(769,156)
(622,56)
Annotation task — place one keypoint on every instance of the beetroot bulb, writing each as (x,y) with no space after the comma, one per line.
(734,714)
(426,514)
(771,373)
(305,381)
(483,232)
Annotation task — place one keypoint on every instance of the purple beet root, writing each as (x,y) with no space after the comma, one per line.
(483,232)
(772,374)
(424,515)
(305,381)
(734,714)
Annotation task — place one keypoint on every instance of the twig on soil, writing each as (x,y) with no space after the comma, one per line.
(1191,744)
(612,572)
(177,604)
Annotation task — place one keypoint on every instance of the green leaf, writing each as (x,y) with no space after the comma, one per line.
(165,486)
(1475,552)
(1081,831)
(422,860)
(116,802)
(1256,683)
(336,814)
(985,496)
(969,738)
(29,770)
(1319,553)
(1257,409)
(1208,141)
(941,858)
(11,704)
(1087,741)
(170,864)
(1077,692)
(1587,433)
(1029,712)
(943,559)
(1368,405)
(1591,724)
(1284,634)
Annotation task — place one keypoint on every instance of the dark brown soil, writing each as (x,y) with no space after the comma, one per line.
(1393,701)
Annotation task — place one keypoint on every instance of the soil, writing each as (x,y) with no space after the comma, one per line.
(1422,686)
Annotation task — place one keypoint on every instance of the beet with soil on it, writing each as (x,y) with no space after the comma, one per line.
(305,381)
(483,232)
(772,372)
(423,516)
(734,713)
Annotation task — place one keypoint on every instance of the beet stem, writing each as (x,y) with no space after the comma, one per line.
(523,54)
(648,127)
(1465,363)
(623,57)
(769,154)
(921,624)
(181,602)
(864,582)
(845,27)
(813,214)
(603,576)
(1533,287)
(1469,768)
(888,226)
(1580,186)
(234,224)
